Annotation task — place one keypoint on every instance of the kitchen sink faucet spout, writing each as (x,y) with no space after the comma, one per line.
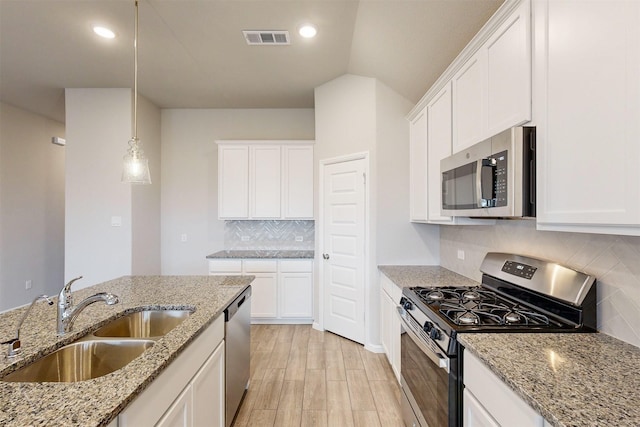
(67,313)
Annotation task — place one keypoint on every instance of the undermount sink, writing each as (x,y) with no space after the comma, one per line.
(143,324)
(80,361)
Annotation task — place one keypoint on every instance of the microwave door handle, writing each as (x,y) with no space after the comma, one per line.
(479,199)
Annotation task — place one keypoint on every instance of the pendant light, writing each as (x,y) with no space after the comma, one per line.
(136,165)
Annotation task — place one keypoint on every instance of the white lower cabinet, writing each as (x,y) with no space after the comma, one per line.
(189,392)
(282,291)
(390,322)
(488,402)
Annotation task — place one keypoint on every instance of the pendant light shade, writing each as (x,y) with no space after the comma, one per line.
(136,165)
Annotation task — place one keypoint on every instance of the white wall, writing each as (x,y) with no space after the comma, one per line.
(98,128)
(398,241)
(146,198)
(358,114)
(31,206)
(189,174)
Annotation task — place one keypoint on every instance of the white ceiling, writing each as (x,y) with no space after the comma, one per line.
(192,53)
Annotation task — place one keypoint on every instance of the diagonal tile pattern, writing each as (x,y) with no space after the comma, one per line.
(613,260)
(269,235)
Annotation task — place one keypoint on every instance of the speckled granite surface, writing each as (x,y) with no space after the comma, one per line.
(571,379)
(424,275)
(96,402)
(262,254)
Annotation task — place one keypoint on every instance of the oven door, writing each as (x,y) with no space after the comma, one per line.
(429,384)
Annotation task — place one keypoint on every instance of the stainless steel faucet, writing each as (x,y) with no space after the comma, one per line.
(15,346)
(67,313)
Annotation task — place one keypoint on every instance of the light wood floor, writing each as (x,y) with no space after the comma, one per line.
(303,377)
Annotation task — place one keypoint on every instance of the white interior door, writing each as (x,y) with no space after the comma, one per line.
(343,248)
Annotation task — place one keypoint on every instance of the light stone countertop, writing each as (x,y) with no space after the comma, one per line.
(589,379)
(262,254)
(98,401)
(406,276)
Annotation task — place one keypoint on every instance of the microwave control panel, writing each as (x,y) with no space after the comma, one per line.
(500,178)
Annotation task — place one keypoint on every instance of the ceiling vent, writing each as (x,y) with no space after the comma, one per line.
(267,37)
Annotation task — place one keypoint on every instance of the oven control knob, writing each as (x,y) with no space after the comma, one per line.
(434,334)
(428,327)
(407,305)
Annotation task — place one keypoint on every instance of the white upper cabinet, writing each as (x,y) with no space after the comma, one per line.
(587,112)
(439,147)
(492,89)
(265,180)
(418,168)
(233,181)
(469,99)
(297,186)
(508,59)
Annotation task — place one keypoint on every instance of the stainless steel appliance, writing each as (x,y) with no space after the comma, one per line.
(517,294)
(494,178)
(237,335)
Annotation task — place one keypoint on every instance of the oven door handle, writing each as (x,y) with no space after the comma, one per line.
(437,358)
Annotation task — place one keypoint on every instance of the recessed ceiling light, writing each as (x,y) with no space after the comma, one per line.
(307,31)
(104,32)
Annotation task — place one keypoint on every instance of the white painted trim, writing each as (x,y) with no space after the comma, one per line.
(367,235)
(377,348)
(317,327)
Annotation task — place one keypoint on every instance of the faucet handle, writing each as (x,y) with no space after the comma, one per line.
(14,347)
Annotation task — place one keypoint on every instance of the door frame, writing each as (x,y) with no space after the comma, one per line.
(319,323)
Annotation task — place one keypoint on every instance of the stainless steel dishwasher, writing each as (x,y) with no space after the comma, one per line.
(237,335)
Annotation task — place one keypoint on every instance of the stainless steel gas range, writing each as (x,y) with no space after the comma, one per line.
(517,294)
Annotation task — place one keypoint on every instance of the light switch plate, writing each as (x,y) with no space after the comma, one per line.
(116,221)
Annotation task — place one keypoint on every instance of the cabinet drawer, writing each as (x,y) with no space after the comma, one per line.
(225,266)
(296,266)
(260,266)
(393,290)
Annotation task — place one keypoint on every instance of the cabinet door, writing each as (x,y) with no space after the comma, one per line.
(296,295)
(264,190)
(208,391)
(233,181)
(509,72)
(180,412)
(418,168)
(474,413)
(264,298)
(469,100)
(438,147)
(587,110)
(298,181)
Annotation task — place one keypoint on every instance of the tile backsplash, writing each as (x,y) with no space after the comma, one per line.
(613,260)
(269,235)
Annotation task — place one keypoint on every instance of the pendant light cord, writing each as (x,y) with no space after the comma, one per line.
(135,76)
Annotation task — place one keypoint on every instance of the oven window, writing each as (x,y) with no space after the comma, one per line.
(459,188)
(428,384)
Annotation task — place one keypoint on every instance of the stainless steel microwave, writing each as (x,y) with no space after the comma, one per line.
(494,178)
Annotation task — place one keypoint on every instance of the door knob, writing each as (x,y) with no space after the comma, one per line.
(325,256)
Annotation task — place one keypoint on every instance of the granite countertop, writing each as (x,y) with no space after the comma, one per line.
(98,401)
(266,254)
(570,379)
(424,275)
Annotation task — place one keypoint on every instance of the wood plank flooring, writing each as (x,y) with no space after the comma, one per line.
(302,377)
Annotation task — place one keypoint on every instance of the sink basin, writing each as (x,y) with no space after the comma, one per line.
(143,324)
(81,361)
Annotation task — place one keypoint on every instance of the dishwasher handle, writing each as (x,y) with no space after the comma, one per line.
(234,307)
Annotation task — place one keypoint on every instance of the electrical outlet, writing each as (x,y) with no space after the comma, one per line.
(244,238)
(27,284)
(183,237)
(460,254)
(299,238)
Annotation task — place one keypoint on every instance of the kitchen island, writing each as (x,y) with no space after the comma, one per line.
(98,401)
